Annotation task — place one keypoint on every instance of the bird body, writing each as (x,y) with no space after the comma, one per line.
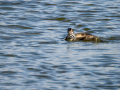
(80,36)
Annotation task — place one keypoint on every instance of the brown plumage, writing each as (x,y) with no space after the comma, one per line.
(80,36)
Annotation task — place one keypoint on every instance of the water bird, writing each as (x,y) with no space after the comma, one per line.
(81,36)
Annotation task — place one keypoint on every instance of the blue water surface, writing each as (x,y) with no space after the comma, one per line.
(35,56)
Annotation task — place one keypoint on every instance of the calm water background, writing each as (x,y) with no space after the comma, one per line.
(34,55)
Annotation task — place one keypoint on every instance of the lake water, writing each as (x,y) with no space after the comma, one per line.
(35,56)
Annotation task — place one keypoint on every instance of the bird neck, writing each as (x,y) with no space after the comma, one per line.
(71,36)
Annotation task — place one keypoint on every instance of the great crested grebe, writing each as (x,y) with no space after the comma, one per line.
(81,36)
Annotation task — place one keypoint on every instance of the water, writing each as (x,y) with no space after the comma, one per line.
(35,56)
